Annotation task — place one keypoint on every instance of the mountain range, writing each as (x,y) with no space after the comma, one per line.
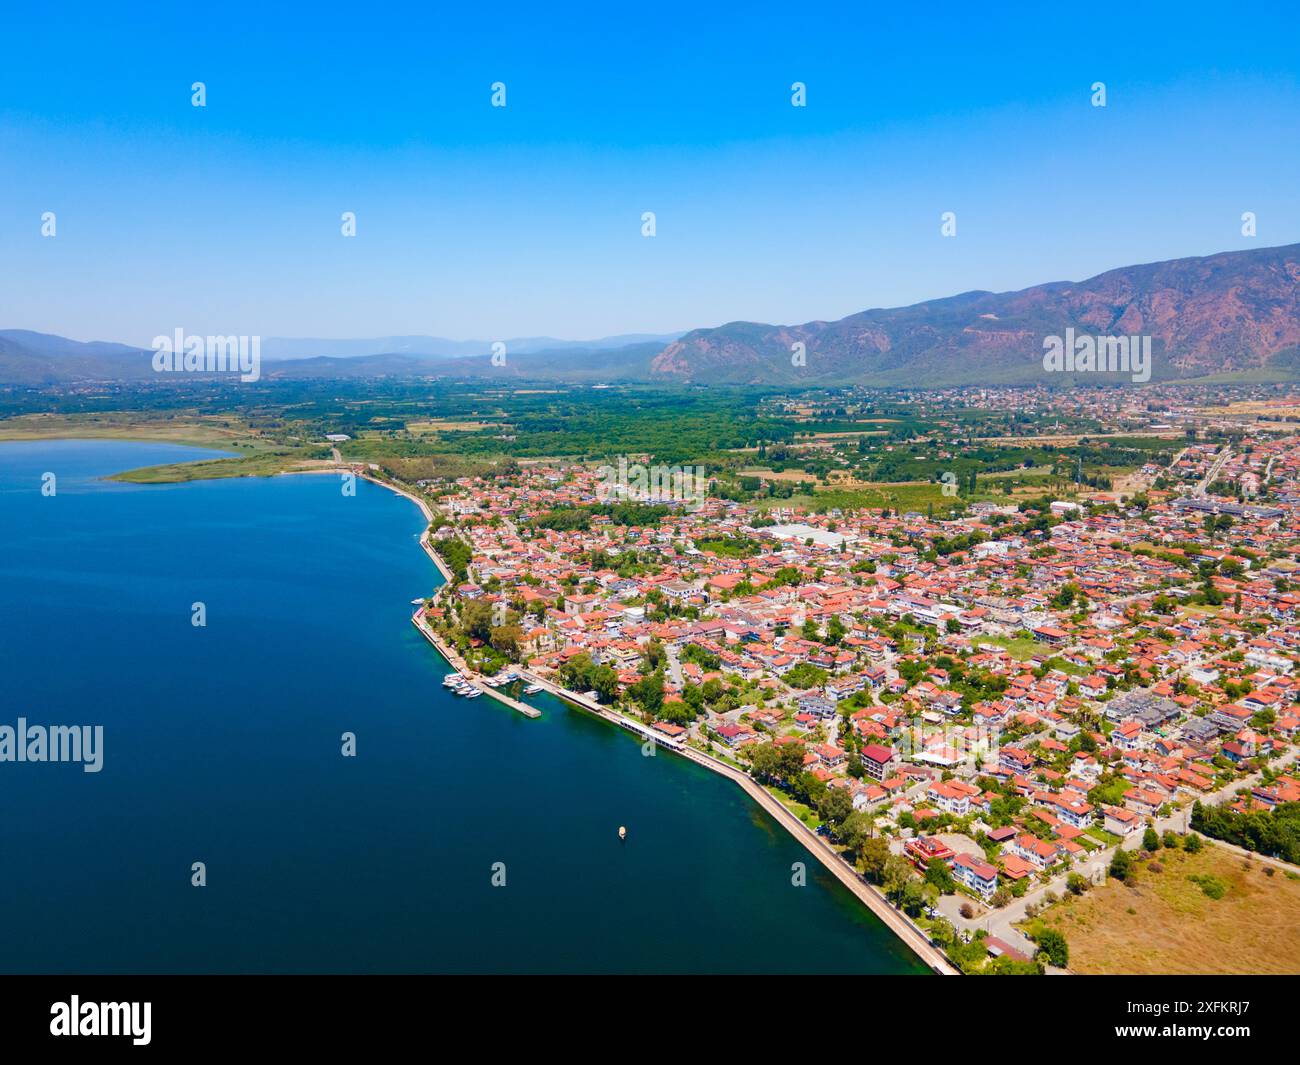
(1231,313)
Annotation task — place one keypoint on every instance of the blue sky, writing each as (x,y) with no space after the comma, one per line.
(485,222)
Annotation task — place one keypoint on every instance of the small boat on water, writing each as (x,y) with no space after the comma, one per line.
(533,689)
(451,680)
(622,832)
(471,693)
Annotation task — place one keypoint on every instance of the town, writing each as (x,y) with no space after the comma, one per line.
(983,712)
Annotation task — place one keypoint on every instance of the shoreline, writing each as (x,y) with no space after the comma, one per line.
(417,619)
(904,930)
(897,922)
(459,665)
(447,575)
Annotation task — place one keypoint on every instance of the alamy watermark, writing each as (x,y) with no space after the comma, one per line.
(181,353)
(688,485)
(122,1019)
(54,743)
(970,745)
(1106,354)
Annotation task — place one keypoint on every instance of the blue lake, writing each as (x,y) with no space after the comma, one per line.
(222,744)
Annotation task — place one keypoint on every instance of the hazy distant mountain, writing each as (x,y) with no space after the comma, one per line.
(1235,311)
(631,362)
(283,348)
(28,358)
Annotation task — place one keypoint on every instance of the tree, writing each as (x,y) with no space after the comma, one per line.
(476,619)
(1192,844)
(506,640)
(897,873)
(856,830)
(943,933)
(1076,883)
(835,630)
(835,806)
(779,762)
(654,655)
(805,675)
(1150,840)
(873,856)
(605,684)
(1067,594)
(938,874)
(1121,865)
(649,692)
(912,899)
(1053,947)
(580,673)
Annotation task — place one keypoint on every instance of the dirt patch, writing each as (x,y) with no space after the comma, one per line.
(1168,924)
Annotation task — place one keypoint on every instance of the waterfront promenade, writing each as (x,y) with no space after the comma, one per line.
(893,919)
(897,922)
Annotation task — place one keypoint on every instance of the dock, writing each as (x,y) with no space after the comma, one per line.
(458,664)
(591,706)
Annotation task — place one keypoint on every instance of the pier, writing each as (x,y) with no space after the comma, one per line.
(458,664)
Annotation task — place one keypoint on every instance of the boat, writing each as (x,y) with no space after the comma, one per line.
(622,832)
(472,693)
(533,689)
(451,680)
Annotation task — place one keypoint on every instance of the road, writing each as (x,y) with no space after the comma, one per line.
(675,669)
(1212,473)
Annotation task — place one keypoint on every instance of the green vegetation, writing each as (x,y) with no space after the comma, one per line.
(1053,947)
(730,546)
(264,464)
(457,554)
(635,515)
(1213,887)
(581,674)
(1275,832)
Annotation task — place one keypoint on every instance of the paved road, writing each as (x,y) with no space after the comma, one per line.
(1212,473)
(675,668)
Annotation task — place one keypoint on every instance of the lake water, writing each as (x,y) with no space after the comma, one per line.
(222,744)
